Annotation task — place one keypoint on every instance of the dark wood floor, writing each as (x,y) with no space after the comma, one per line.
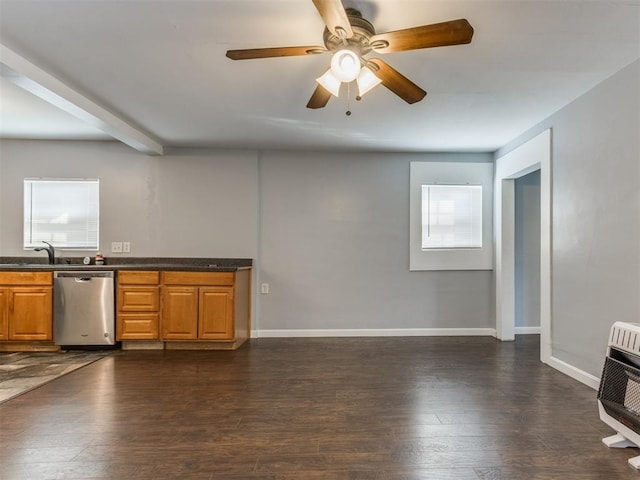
(283,409)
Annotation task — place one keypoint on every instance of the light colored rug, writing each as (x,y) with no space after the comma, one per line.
(24,371)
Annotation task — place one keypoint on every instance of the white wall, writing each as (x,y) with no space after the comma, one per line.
(596,217)
(527,250)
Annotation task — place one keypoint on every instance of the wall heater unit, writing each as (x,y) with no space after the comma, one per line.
(619,392)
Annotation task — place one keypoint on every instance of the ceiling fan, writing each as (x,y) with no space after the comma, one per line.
(350,38)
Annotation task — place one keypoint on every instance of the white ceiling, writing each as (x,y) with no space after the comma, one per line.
(160,66)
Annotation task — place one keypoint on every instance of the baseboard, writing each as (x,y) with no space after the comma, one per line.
(575,373)
(366,332)
(527,330)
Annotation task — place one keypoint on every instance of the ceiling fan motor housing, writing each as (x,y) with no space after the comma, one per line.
(363,30)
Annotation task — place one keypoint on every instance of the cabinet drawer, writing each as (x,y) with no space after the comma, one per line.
(26,278)
(197,278)
(137,326)
(138,278)
(138,299)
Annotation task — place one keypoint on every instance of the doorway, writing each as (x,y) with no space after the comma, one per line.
(529,157)
(527,254)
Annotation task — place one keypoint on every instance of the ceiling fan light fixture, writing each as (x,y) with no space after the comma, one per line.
(330,83)
(366,81)
(345,65)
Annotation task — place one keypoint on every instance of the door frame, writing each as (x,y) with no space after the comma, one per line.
(533,155)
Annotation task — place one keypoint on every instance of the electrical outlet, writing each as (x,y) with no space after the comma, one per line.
(264,288)
(116,247)
(126,247)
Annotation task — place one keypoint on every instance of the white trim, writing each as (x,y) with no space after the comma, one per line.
(546,246)
(575,373)
(527,330)
(528,157)
(366,332)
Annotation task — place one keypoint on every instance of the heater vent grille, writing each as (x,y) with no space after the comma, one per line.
(619,391)
(625,336)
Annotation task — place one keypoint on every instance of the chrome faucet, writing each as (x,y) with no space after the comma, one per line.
(50,252)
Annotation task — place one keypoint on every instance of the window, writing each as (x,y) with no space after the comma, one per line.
(450,213)
(63,212)
(451,216)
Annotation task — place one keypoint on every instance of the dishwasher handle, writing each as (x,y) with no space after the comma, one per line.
(84,276)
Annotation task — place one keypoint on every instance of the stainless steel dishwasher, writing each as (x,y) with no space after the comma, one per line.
(83,308)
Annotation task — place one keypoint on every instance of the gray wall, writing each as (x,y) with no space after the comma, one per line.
(184,204)
(527,250)
(335,248)
(329,232)
(595,217)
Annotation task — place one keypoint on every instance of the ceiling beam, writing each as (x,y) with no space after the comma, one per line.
(32,78)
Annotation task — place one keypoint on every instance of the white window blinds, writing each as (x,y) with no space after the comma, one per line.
(451,216)
(62,212)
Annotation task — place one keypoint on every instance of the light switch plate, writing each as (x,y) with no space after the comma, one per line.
(116,247)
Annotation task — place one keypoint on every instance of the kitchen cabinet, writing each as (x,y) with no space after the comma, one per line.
(192,313)
(205,306)
(215,313)
(138,301)
(26,306)
(172,309)
(179,313)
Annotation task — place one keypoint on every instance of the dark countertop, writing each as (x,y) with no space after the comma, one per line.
(17,264)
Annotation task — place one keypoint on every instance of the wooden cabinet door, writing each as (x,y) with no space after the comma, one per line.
(4,313)
(179,315)
(215,320)
(30,313)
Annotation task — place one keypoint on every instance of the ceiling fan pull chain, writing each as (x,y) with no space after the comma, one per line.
(348,112)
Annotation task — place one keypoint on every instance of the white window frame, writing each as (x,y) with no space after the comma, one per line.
(83,204)
(450,173)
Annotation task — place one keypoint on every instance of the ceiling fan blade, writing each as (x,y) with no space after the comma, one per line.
(320,97)
(396,82)
(334,16)
(273,52)
(455,32)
